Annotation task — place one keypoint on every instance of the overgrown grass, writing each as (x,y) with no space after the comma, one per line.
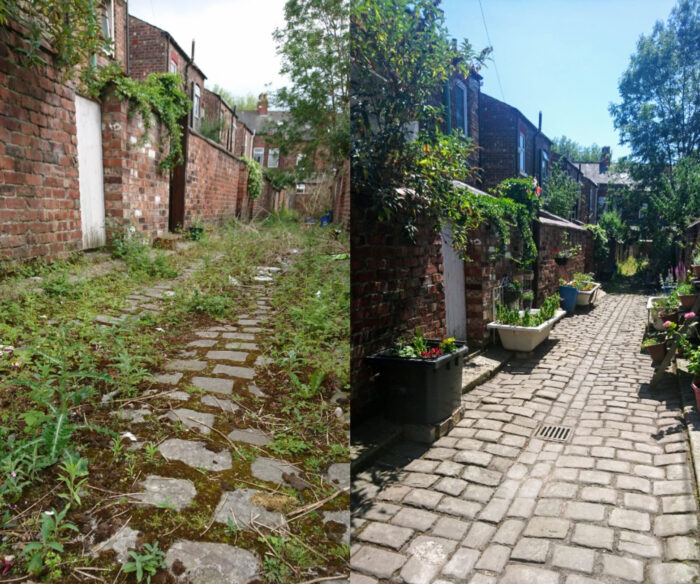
(56,363)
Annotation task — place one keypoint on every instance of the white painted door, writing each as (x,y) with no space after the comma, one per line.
(90,173)
(455,297)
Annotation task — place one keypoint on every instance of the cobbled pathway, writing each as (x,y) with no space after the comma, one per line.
(490,503)
(221,362)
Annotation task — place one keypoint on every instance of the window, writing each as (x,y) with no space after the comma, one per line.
(301,189)
(521,153)
(300,159)
(195,102)
(461,107)
(258,154)
(544,166)
(273,158)
(173,66)
(107,21)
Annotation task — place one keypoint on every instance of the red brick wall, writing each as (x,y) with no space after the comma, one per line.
(396,288)
(39,197)
(498,141)
(549,240)
(136,191)
(213,178)
(341,211)
(148,48)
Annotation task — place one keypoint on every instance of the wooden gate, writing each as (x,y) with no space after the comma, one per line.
(455,297)
(90,172)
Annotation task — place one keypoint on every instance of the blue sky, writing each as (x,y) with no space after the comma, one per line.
(561,57)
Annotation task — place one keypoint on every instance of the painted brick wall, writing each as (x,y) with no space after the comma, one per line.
(39,197)
(136,191)
(213,177)
(396,288)
(549,240)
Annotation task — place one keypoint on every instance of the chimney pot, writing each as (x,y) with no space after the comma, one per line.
(262,104)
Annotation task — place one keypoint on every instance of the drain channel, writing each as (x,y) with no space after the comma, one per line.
(554,433)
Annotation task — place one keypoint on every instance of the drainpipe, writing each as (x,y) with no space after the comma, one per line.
(128,42)
(251,146)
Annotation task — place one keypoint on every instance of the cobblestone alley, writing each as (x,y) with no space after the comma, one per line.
(490,503)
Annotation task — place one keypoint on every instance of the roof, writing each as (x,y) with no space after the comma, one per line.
(257,122)
(174,42)
(592,171)
(547,218)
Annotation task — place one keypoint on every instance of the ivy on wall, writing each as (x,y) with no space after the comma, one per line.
(255,177)
(158,95)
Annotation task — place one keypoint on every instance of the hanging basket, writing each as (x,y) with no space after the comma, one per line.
(561,261)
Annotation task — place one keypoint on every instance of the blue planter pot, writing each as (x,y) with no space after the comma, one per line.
(568,295)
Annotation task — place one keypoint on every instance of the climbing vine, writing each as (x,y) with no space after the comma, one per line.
(159,94)
(255,177)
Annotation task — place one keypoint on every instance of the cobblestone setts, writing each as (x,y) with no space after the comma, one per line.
(207,366)
(489,504)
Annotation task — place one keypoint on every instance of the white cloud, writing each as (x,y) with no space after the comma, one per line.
(234,45)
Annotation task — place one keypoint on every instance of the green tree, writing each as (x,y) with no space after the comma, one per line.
(314,46)
(241,102)
(575,152)
(659,115)
(560,192)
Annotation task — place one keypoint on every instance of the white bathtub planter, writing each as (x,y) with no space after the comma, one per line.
(523,339)
(587,297)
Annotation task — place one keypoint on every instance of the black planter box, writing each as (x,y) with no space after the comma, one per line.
(420,391)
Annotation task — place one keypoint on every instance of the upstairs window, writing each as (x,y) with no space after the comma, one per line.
(460,105)
(173,66)
(521,153)
(258,153)
(195,104)
(544,166)
(273,158)
(107,23)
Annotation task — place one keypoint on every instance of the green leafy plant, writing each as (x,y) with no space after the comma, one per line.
(528,296)
(74,467)
(512,317)
(53,525)
(145,564)
(255,177)
(685,289)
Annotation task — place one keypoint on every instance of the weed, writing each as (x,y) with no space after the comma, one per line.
(151,453)
(288,444)
(288,558)
(74,467)
(145,564)
(52,527)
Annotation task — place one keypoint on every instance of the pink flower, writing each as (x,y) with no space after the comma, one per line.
(667,324)
(689,315)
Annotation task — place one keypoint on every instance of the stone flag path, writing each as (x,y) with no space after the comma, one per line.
(491,503)
(221,362)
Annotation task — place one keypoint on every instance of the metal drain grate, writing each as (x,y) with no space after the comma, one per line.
(554,433)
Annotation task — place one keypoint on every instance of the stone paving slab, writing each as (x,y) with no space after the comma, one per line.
(245,507)
(215,384)
(213,563)
(165,491)
(613,504)
(195,454)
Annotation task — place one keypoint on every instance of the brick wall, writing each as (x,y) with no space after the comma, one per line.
(39,197)
(549,239)
(213,178)
(136,191)
(148,49)
(396,288)
(498,141)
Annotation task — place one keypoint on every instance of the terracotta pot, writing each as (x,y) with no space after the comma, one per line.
(687,300)
(696,390)
(696,271)
(670,316)
(657,352)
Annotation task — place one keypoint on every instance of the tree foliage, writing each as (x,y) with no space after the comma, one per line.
(232,100)
(401,59)
(71,28)
(574,151)
(560,192)
(659,115)
(314,46)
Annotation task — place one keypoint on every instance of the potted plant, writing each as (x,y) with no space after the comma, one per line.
(561,257)
(421,381)
(528,297)
(587,288)
(523,330)
(568,294)
(655,347)
(686,295)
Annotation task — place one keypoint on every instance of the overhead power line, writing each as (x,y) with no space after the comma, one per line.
(488,38)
